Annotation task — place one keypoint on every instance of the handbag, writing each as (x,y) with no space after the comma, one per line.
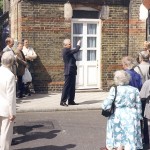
(109,112)
(27,76)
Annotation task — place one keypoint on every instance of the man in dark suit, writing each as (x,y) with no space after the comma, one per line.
(70,72)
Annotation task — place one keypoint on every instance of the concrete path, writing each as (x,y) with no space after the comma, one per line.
(51,102)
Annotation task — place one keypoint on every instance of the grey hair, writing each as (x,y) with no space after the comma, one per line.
(66,41)
(7,59)
(121,77)
(144,55)
(128,61)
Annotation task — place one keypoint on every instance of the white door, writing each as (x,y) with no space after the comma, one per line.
(88,58)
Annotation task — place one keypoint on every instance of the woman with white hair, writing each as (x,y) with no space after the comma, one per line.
(7,100)
(123,127)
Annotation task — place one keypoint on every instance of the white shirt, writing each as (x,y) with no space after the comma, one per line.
(28,52)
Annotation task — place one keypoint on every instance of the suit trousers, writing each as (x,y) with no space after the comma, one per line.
(6,133)
(68,92)
(20,86)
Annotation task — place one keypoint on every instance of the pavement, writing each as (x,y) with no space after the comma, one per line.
(51,102)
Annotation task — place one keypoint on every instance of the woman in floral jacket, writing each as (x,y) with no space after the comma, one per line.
(123,127)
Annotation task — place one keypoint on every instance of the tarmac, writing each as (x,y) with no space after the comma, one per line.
(51,102)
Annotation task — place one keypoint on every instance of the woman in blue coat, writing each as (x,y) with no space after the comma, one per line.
(123,127)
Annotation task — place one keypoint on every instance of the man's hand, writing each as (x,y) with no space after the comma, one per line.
(79,43)
(12,118)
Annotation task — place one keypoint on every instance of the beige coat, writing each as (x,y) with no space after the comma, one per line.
(21,63)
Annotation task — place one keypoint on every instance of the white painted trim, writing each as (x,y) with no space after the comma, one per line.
(99,30)
(85,20)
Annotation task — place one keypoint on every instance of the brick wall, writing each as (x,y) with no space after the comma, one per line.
(137,28)
(43,24)
(114,42)
(123,34)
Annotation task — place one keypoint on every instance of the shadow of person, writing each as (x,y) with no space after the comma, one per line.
(40,77)
(25,129)
(36,135)
(51,147)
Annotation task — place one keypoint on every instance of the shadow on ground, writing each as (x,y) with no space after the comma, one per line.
(26,134)
(51,147)
(33,97)
(90,102)
(36,135)
(33,131)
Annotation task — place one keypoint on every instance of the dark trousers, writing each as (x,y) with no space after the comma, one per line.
(68,92)
(20,86)
(144,124)
(27,88)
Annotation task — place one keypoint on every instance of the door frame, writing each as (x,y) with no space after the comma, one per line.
(99,53)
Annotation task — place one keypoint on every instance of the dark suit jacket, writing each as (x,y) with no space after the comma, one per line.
(70,67)
(21,63)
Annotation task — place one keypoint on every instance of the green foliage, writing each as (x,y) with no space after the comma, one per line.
(1,5)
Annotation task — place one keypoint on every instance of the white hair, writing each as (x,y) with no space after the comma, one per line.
(66,41)
(144,55)
(121,77)
(7,59)
(128,61)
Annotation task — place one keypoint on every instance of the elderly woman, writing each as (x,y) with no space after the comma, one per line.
(128,64)
(123,127)
(7,100)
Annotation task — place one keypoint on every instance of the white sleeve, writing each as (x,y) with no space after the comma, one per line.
(11,95)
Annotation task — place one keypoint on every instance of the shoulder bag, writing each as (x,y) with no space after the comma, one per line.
(109,112)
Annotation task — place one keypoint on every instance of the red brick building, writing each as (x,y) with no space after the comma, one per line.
(104,42)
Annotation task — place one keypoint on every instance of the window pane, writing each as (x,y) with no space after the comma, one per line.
(77,28)
(78,55)
(91,28)
(75,40)
(91,55)
(91,42)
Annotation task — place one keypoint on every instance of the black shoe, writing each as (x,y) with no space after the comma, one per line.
(73,103)
(14,142)
(21,96)
(63,104)
(29,94)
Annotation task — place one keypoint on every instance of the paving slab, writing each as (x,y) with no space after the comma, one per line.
(51,102)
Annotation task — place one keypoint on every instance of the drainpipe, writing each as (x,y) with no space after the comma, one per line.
(17,17)
(128,32)
(34,24)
